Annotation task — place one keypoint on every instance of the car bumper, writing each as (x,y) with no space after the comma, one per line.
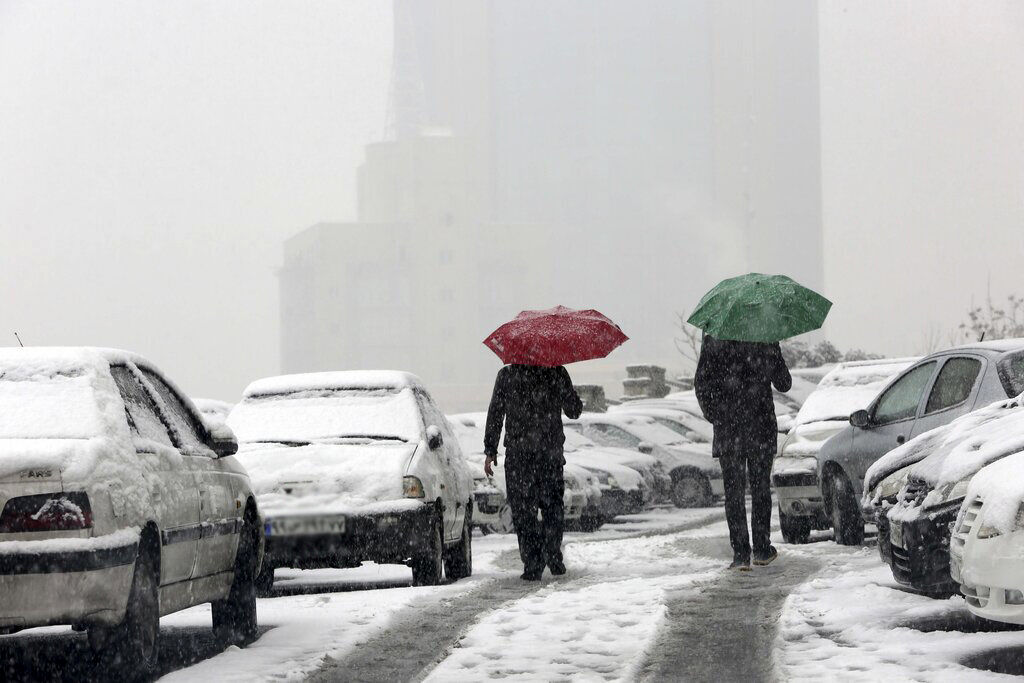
(622,502)
(991,574)
(386,537)
(920,560)
(79,587)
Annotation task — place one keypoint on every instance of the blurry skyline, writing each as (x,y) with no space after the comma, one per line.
(154,159)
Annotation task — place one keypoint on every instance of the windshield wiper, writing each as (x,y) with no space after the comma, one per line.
(369,437)
(284,442)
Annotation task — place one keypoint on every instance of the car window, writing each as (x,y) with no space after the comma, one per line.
(181,418)
(610,435)
(900,401)
(1011,374)
(432,415)
(954,383)
(139,406)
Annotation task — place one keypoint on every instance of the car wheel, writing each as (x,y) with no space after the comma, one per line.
(427,566)
(504,524)
(458,560)
(795,530)
(847,524)
(591,523)
(234,618)
(265,580)
(133,648)
(691,490)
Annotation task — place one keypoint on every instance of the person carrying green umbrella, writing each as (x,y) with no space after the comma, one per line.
(743,320)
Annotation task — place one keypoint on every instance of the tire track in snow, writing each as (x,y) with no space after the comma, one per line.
(422,635)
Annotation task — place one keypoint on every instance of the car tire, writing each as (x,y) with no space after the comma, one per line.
(234,618)
(458,560)
(691,490)
(795,530)
(428,565)
(504,525)
(265,580)
(591,523)
(131,650)
(847,523)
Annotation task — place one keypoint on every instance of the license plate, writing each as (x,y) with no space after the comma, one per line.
(305,526)
(896,535)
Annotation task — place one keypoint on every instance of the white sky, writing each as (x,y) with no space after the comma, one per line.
(154,156)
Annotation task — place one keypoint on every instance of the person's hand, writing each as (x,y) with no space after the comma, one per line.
(489,463)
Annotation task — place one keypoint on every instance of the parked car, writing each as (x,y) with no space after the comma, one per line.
(914,526)
(622,490)
(695,478)
(119,505)
(593,515)
(356,466)
(213,410)
(930,393)
(577,490)
(786,405)
(825,413)
(491,512)
(688,426)
(987,548)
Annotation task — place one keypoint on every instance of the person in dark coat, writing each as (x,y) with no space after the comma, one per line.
(733,384)
(530,400)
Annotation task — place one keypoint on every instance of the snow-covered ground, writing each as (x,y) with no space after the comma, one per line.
(639,595)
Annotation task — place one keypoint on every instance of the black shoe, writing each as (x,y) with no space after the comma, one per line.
(765,557)
(532,575)
(557,568)
(740,563)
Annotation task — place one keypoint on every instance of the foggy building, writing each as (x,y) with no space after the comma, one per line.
(591,153)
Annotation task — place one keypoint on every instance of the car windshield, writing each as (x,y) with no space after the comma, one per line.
(328,416)
(847,389)
(48,403)
(681,430)
(1011,372)
(655,433)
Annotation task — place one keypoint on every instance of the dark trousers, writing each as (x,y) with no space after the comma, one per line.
(737,470)
(534,482)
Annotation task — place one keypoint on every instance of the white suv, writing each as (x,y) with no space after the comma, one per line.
(118,504)
(356,466)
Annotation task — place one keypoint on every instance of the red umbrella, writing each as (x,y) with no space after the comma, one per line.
(554,337)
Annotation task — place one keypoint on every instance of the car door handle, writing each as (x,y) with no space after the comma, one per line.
(900,438)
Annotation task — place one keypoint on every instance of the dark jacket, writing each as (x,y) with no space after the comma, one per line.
(734,388)
(529,400)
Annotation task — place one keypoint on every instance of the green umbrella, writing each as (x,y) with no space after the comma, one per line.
(760,308)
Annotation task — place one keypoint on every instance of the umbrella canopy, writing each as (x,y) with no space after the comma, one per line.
(760,308)
(555,337)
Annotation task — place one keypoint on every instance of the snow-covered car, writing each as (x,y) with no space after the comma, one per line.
(689,427)
(118,504)
(593,515)
(695,478)
(622,490)
(491,512)
(987,547)
(914,525)
(932,392)
(213,410)
(351,467)
(786,405)
(574,498)
(826,412)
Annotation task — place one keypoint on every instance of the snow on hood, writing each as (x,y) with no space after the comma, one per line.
(1000,486)
(336,477)
(849,387)
(954,451)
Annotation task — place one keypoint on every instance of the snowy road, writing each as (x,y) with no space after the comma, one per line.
(645,599)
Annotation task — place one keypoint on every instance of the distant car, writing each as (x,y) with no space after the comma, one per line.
(695,478)
(118,504)
(491,512)
(691,428)
(212,409)
(577,490)
(825,413)
(987,547)
(622,490)
(930,393)
(356,466)
(593,515)
(786,405)
(914,525)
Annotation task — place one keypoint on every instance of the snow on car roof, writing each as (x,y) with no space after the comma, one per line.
(992,346)
(953,451)
(346,379)
(849,387)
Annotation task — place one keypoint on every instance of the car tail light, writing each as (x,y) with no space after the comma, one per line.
(412,487)
(47,512)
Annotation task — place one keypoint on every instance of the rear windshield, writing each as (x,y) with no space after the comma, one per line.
(1011,373)
(59,404)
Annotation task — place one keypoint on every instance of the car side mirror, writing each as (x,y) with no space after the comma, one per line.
(434,438)
(222,439)
(645,447)
(860,419)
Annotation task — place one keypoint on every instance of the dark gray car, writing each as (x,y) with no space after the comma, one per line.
(934,391)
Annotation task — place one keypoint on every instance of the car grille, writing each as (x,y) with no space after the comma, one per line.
(963,529)
(796,479)
(901,564)
(915,491)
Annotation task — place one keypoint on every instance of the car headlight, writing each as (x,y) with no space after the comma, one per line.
(612,481)
(953,491)
(412,487)
(988,531)
(891,485)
